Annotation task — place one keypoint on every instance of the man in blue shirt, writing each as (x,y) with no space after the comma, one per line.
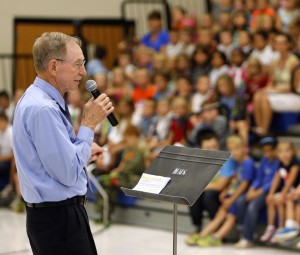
(157,37)
(50,158)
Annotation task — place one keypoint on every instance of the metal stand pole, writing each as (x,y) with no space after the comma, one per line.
(175,230)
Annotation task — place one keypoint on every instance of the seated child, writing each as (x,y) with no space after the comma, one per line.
(220,226)
(287,176)
(209,199)
(210,117)
(148,120)
(292,222)
(202,93)
(180,126)
(6,150)
(162,127)
(130,169)
(250,205)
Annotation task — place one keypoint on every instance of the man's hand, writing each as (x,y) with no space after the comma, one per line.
(96,110)
(96,151)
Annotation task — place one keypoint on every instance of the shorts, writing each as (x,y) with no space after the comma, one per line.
(233,209)
(284,102)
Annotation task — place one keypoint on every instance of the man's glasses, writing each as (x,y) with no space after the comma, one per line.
(77,64)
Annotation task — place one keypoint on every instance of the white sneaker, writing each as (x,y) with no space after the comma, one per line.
(244,244)
(269,233)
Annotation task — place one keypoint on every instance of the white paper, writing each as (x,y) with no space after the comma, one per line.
(152,183)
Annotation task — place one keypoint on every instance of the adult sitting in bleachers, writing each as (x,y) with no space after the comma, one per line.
(157,38)
(277,96)
(288,11)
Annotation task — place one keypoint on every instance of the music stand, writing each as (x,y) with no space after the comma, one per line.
(190,171)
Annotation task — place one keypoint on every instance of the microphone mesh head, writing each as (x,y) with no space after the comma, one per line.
(90,85)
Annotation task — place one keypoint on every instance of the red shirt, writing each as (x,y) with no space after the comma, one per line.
(179,128)
(253,85)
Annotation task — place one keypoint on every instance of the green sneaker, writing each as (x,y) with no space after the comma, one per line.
(192,239)
(209,241)
(18,205)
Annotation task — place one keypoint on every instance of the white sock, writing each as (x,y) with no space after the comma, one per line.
(270,227)
(291,224)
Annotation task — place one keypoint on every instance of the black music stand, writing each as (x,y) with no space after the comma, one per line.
(190,171)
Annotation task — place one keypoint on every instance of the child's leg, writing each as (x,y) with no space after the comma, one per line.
(290,210)
(297,211)
(270,230)
(251,217)
(281,211)
(215,223)
(226,227)
(271,211)
(243,130)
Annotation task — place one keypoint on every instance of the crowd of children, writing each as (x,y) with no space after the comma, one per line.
(251,192)
(212,81)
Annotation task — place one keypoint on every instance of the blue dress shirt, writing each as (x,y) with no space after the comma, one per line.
(50,158)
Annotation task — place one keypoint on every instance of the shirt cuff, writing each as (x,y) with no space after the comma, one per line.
(86,134)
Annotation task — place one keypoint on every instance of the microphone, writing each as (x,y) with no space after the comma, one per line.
(91,86)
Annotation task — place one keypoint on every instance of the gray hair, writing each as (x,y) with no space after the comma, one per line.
(49,46)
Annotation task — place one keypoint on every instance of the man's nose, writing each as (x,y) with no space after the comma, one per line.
(83,71)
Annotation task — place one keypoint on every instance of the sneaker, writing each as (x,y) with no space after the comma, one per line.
(18,205)
(244,244)
(209,241)
(192,239)
(269,233)
(285,234)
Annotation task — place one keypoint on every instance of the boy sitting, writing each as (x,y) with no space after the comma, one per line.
(217,229)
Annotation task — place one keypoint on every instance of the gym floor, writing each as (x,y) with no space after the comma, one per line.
(118,240)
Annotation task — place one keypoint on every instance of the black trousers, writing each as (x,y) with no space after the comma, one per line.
(60,230)
(209,201)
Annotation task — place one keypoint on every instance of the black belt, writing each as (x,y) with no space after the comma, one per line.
(78,200)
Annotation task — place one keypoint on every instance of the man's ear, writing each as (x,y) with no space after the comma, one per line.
(52,66)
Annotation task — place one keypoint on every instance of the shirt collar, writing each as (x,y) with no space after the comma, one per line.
(50,90)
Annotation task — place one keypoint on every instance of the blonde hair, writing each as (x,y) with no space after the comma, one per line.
(49,46)
(255,62)
(179,101)
(234,140)
(290,144)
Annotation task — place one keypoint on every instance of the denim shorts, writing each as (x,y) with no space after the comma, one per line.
(233,209)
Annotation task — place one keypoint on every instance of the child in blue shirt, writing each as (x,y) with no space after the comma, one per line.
(251,204)
(215,231)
